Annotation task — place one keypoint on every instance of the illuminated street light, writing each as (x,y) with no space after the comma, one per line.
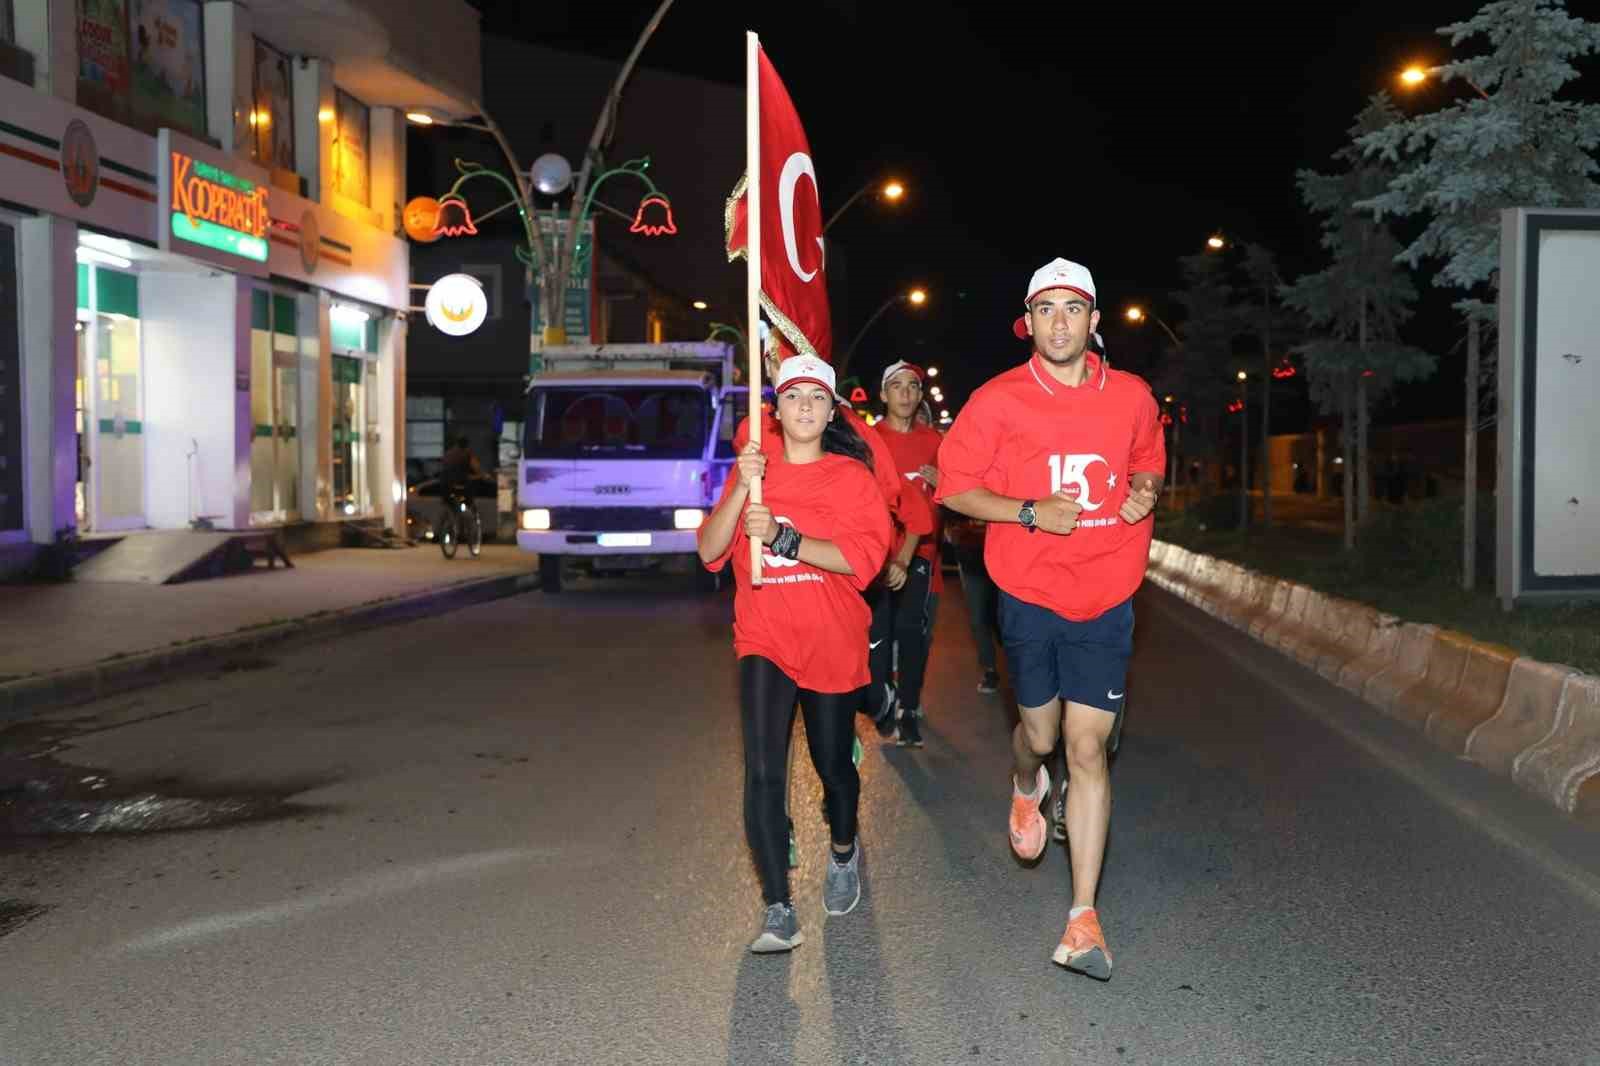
(700,305)
(1215,242)
(1414,76)
(419,118)
(891,190)
(933,371)
(1138,315)
(1242,375)
(915,297)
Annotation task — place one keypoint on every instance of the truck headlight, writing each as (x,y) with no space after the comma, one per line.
(688,518)
(536,518)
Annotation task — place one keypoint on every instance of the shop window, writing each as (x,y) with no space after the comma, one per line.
(356,403)
(15,63)
(142,62)
(352,177)
(272,118)
(424,431)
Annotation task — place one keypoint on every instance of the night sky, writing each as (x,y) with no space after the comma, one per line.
(1108,134)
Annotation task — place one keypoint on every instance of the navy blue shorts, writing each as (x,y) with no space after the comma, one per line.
(1053,657)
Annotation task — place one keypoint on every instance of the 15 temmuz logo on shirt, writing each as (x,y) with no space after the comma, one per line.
(1070,473)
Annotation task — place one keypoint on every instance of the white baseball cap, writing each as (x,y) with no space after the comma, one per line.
(894,368)
(798,369)
(1056,274)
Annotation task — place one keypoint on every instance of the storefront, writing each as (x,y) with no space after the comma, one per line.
(182,344)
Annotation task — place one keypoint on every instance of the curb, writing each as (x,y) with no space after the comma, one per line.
(61,688)
(1536,723)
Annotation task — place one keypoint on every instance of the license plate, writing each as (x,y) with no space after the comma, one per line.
(624,540)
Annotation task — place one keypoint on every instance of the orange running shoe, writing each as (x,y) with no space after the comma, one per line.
(1083,947)
(1028,830)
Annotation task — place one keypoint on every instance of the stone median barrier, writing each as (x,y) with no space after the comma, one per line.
(1533,722)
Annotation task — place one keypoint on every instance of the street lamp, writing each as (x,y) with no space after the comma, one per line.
(933,371)
(1414,76)
(568,255)
(1244,456)
(1138,315)
(890,190)
(1216,243)
(915,297)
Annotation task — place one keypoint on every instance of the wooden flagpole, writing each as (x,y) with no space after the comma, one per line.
(752,229)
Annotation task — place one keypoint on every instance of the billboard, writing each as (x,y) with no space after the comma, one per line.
(1548,521)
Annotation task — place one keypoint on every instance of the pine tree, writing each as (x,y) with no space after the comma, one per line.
(1268,319)
(1513,144)
(1357,304)
(1197,370)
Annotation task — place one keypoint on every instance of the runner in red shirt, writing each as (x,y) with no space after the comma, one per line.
(876,701)
(902,608)
(802,634)
(1062,456)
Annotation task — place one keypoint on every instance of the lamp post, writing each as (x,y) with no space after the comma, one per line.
(890,190)
(1412,77)
(1244,456)
(916,298)
(1137,315)
(567,256)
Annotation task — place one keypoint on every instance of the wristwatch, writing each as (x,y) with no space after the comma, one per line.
(1026,516)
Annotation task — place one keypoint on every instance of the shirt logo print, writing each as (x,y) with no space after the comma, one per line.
(1070,473)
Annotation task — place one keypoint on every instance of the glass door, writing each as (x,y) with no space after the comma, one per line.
(111,400)
(274,409)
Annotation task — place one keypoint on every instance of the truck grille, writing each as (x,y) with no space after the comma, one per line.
(610,519)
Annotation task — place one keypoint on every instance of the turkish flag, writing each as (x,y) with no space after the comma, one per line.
(794,291)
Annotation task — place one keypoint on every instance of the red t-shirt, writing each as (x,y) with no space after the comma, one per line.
(810,622)
(912,451)
(1026,435)
(883,469)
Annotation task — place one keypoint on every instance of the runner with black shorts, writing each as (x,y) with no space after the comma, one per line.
(1062,456)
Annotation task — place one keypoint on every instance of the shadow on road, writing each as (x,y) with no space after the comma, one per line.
(764,1019)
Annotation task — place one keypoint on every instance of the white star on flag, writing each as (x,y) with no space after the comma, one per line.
(1111,482)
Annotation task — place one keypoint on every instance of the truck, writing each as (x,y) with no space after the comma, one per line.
(625,450)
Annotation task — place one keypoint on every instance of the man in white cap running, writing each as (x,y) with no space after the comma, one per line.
(1062,456)
(902,608)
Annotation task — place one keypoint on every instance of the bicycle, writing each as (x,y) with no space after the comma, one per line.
(459,522)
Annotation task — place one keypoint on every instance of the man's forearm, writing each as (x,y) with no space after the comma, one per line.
(984,505)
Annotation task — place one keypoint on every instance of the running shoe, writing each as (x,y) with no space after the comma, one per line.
(884,717)
(841,884)
(1059,830)
(910,729)
(1027,824)
(990,683)
(1083,947)
(780,930)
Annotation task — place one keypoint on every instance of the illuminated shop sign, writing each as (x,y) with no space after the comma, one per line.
(219,210)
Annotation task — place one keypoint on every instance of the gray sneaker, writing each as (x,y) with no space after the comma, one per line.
(841,885)
(780,930)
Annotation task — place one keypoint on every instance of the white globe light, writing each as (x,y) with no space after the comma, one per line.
(456,305)
(551,174)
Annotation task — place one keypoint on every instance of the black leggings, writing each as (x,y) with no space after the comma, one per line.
(767,698)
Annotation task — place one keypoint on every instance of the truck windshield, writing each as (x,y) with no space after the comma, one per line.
(641,421)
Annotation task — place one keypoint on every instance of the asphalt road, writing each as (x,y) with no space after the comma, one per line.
(512,835)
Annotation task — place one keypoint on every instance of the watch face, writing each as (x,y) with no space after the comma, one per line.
(1026,516)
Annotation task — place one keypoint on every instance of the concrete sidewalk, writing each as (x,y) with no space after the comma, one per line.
(61,643)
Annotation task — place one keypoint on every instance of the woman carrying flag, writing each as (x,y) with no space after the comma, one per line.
(802,635)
